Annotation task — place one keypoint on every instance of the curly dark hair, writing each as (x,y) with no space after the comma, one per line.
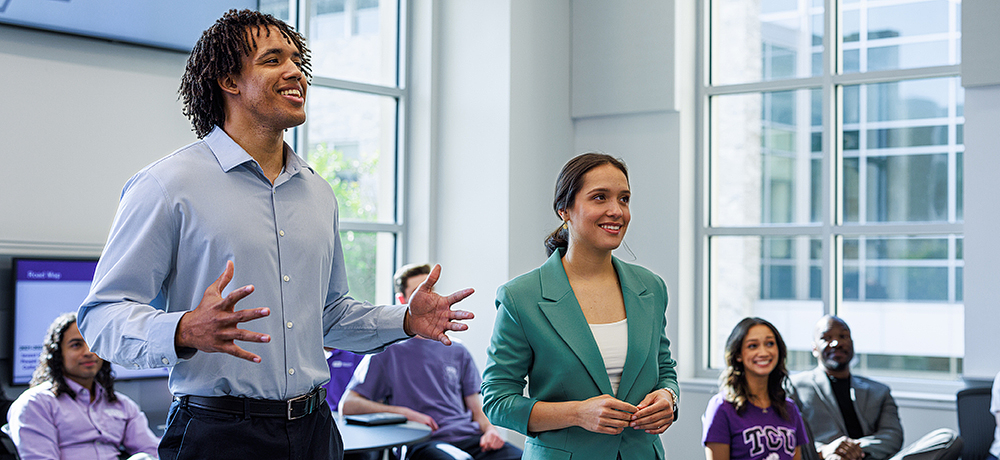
(50,363)
(733,380)
(219,52)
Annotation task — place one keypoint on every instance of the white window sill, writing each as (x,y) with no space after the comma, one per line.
(924,394)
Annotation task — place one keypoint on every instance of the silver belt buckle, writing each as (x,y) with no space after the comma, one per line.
(294,400)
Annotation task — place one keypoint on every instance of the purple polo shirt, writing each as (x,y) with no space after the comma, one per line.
(425,376)
(46,427)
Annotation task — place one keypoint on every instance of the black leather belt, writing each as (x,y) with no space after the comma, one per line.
(248,407)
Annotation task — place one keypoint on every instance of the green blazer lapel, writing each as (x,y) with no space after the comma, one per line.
(639,304)
(561,308)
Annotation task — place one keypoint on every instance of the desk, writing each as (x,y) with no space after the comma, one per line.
(360,438)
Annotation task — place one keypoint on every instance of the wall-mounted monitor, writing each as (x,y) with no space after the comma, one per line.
(171,24)
(44,289)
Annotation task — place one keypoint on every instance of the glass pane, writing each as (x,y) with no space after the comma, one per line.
(908,99)
(908,366)
(775,278)
(352,143)
(959,186)
(902,299)
(766,160)
(902,188)
(900,35)
(276,8)
(765,40)
(355,40)
(369,257)
(902,151)
(900,269)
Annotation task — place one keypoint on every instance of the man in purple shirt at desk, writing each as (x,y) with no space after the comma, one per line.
(72,410)
(431,384)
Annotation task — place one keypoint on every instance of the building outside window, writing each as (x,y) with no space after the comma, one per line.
(833,172)
(353,135)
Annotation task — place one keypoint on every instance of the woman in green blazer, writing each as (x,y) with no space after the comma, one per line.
(588,332)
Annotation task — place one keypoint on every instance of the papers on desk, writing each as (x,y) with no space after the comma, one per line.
(377,418)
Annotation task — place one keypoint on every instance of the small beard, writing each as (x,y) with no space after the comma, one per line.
(836,366)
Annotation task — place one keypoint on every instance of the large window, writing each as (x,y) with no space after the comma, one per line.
(833,171)
(353,132)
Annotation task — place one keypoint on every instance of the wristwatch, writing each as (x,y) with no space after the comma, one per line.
(674,396)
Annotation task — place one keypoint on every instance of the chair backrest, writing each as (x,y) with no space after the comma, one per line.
(7,449)
(975,422)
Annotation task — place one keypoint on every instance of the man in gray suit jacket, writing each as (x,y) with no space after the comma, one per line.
(852,417)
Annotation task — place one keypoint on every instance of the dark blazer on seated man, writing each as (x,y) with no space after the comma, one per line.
(876,410)
(851,417)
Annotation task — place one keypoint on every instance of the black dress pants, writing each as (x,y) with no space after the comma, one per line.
(194,433)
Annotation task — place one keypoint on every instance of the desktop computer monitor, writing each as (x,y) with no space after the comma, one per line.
(44,288)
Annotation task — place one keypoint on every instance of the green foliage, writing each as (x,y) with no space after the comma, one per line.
(344,174)
(359,255)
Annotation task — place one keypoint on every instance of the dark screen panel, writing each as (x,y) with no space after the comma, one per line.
(170,24)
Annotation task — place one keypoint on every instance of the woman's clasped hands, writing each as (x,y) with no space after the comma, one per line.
(607,415)
(655,413)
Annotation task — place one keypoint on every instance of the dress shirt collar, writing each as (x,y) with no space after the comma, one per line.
(82,390)
(230,155)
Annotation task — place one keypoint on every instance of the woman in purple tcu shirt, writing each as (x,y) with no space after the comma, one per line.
(751,418)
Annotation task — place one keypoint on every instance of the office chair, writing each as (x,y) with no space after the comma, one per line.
(975,422)
(7,449)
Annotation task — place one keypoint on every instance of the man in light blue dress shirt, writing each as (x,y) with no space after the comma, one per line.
(241,203)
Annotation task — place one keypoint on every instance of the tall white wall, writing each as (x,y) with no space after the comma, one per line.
(470,128)
(982,242)
(541,131)
(79,116)
(980,59)
(500,131)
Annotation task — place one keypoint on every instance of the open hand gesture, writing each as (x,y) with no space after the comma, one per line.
(211,327)
(430,315)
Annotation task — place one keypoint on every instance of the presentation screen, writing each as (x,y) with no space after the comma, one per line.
(44,289)
(171,24)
